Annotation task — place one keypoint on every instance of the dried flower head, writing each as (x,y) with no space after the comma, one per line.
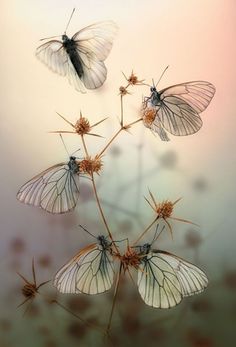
(90,165)
(164,210)
(148,114)
(81,127)
(133,79)
(30,289)
(130,258)
(123,91)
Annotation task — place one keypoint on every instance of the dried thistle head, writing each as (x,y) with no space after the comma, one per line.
(133,79)
(82,126)
(148,114)
(30,289)
(164,210)
(90,165)
(123,91)
(130,258)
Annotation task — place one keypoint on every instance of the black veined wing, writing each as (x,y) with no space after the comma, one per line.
(178,107)
(81,58)
(91,271)
(55,190)
(164,279)
(192,279)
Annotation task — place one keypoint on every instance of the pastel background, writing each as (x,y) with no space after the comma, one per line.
(197,40)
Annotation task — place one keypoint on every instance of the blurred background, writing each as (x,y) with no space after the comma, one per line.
(197,40)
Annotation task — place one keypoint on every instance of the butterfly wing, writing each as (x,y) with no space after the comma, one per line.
(177,117)
(197,94)
(192,279)
(90,272)
(55,190)
(158,284)
(181,105)
(93,45)
(54,55)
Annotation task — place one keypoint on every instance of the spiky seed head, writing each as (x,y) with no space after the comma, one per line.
(82,126)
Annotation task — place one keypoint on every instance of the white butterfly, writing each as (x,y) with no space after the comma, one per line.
(176,109)
(81,58)
(91,271)
(165,279)
(55,190)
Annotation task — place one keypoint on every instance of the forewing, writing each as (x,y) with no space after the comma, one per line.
(93,45)
(53,55)
(192,279)
(91,272)
(96,40)
(178,117)
(158,284)
(54,190)
(197,94)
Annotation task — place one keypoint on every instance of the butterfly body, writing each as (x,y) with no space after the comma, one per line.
(70,47)
(73,165)
(105,244)
(155,98)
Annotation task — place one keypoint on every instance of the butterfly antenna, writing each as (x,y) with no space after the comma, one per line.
(86,231)
(162,75)
(48,38)
(77,150)
(70,19)
(157,234)
(64,145)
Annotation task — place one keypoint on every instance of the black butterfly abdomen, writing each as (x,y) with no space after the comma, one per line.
(70,47)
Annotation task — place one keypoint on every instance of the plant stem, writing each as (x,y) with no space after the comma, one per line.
(114,299)
(101,211)
(91,325)
(121,111)
(84,145)
(145,231)
(124,127)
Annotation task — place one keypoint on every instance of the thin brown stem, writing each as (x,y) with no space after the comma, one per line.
(124,127)
(109,142)
(145,231)
(101,211)
(121,111)
(91,325)
(114,299)
(84,145)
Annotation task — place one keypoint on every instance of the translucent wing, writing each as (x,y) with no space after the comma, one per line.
(158,284)
(93,46)
(53,54)
(96,40)
(178,117)
(191,278)
(90,272)
(54,190)
(156,127)
(196,94)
